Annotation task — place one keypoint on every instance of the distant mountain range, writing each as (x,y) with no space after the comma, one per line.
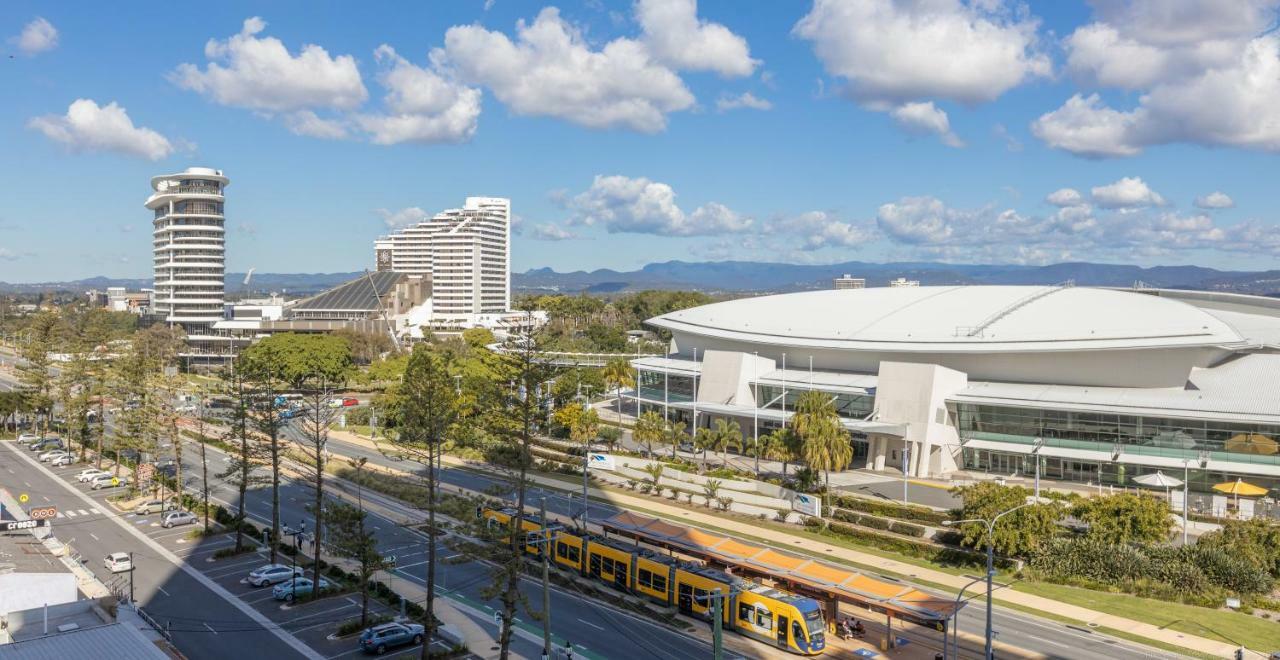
(750,276)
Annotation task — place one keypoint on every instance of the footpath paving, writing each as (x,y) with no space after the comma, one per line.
(1085,616)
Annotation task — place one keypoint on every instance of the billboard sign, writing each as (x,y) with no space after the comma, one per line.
(809,505)
(601,462)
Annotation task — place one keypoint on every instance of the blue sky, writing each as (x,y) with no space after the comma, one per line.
(625,133)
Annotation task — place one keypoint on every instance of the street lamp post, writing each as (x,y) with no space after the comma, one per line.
(991,571)
(955,624)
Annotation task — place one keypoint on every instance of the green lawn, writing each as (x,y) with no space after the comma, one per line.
(1231,627)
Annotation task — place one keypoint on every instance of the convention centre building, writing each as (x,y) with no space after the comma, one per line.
(1098,385)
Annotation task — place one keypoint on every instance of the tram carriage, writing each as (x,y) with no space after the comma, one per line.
(776,617)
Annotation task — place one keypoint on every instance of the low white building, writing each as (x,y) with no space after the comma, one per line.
(1098,385)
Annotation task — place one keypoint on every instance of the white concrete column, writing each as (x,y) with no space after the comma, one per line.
(882,446)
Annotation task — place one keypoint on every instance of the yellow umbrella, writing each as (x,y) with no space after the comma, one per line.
(1239,488)
(1252,443)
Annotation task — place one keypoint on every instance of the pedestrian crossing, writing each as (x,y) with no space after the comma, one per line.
(72,513)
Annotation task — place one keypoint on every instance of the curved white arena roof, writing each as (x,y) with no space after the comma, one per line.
(944,319)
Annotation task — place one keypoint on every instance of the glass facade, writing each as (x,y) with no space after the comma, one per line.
(853,406)
(650,384)
(1136,435)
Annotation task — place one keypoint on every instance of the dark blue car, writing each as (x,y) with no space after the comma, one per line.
(388,635)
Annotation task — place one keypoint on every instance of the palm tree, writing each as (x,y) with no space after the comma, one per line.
(676,435)
(710,490)
(648,430)
(654,470)
(618,373)
(779,446)
(826,444)
(704,440)
(726,434)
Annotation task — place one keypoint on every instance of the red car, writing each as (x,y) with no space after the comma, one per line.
(350,401)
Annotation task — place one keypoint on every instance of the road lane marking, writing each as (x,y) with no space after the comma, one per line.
(95,511)
(590,624)
(82,512)
(71,514)
(162,590)
(210,629)
(45,498)
(95,536)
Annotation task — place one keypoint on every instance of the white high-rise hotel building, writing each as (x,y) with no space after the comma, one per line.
(188,243)
(465,252)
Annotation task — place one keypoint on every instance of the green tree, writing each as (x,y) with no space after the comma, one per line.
(249,451)
(299,359)
(725,434)
(478,337)
(654,470)
(365,347)
(618,373)
(648,430)
(1017,534)
(1125,518)
(350,538)
(710,490)
(824,442)
(676,435)
(514,414)
(1256,540)
(34,377)
(430,410)
(782,444)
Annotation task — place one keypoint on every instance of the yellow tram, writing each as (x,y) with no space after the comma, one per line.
(775,617)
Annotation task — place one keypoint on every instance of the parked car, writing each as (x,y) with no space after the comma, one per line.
(89,473)
(46,444)
(185,409)
(118,562)
(272,574)
(108,481)
(27,438)
(290,589)
(381,637)
(66,459)
(154,506)
(52,454)
(175,518)
(349,401)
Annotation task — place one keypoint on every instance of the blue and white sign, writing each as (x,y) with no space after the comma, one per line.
(809,505)
(601,462)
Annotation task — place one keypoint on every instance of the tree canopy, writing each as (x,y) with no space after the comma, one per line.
(1018,533)
(1125,518)
(298,358)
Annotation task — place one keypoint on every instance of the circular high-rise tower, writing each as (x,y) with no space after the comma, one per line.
(189,246)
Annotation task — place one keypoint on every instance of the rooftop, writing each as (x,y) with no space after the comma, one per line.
(960,319)
(360,294)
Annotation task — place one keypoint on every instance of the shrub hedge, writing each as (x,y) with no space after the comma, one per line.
(894,510)
(874,522)
(918,549)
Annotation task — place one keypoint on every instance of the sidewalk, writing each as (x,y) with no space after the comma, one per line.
(1085,616)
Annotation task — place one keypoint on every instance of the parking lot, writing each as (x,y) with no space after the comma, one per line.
(312,622)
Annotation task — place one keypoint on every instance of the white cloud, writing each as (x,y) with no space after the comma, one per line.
(259,73)
(410,215)
(819,229)
(917,220)
(1127,193)
(306,122)
(676,37)
(1086,127)
(36,37)
(744,100)
(1215,200)
(424,105)
(639,205)
(9,255)
(896,52)
(551,232)
(1177,55)
(1064,197)
(89,127)
(926,118)
(549,69)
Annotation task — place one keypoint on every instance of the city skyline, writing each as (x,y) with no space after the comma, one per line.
(1063,133)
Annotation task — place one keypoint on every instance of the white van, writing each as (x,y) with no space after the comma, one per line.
(118,562)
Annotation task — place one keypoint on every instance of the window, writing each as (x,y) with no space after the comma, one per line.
(764,619)
(652,580)
(744,612)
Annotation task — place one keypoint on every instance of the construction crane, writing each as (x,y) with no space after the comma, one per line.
(391,330)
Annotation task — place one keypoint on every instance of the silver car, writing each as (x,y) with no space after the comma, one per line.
(175,518)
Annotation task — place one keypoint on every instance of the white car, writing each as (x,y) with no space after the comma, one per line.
(335,403)
(28,438)
(91,474)
(118,562)
(174,518)
(108,481)
(272,574)
(63,460)
(52,454)
(185,409)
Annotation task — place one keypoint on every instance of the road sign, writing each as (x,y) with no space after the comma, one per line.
(115,481)
(23,498)
(15,525)
(497,619)
(43,512)
(389,561)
